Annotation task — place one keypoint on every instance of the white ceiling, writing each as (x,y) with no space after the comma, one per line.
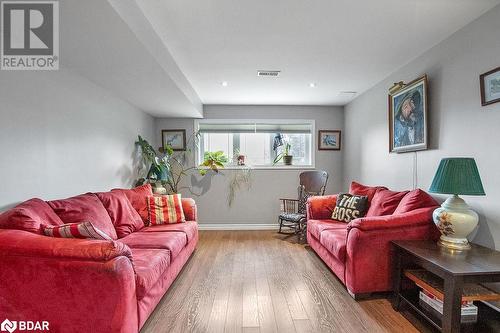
(124,57)
(341,45)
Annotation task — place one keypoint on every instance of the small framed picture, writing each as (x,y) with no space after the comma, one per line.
(329,140)
(490,87)
(174,138)
(408,117)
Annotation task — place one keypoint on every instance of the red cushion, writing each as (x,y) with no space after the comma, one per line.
(413,200)
(123,216)
(84,207)
(75,230)
(385,202)
(335,240)
(149,266)
(190,228)
(316,227)
(137,197)
(29,216)
(172,241)
(369,191)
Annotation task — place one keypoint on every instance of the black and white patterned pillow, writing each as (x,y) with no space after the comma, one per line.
(350,207)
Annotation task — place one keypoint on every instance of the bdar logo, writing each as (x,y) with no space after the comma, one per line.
(8,326)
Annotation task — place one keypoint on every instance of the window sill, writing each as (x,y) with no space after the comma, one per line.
(264,167)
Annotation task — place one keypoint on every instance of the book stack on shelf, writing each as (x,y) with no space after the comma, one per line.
(431,303)
(431,294)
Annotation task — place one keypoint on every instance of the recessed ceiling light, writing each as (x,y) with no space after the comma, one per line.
(312,85)
(224,83)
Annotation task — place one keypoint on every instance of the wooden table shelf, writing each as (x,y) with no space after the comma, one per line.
(452,277)
(435,285)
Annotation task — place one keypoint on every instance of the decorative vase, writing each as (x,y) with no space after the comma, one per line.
(287,159)
(456,221)
(158,188)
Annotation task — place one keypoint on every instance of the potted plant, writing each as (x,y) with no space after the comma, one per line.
(287,158)
(167,169)
(159,166)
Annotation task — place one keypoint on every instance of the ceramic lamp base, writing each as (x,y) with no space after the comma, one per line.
(456,221)
(454,243)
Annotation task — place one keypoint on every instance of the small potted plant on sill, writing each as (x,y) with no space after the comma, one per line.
(287,158)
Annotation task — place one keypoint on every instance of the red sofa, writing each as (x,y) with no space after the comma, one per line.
(359,252)
(81,285)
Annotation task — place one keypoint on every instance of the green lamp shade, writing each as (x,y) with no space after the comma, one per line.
(457,176)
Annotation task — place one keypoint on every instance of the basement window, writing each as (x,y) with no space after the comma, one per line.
(257,140)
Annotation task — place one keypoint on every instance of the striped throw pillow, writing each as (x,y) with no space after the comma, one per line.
(75,230)
(165,209)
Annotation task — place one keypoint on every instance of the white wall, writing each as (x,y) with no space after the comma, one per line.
(260,204)
(61,135)
(459,126)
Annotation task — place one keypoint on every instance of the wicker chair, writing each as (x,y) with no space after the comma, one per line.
(293,211)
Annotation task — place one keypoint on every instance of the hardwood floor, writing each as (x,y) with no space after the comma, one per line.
(260,281)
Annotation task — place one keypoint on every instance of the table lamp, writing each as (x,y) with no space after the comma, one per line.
(455,219)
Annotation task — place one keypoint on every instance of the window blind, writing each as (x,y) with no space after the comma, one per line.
(291,128)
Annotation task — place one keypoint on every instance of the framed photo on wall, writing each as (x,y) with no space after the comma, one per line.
(174,138)
(408,124)
(490,87)
(329,140)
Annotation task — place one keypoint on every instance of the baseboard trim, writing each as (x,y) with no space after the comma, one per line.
(233,226)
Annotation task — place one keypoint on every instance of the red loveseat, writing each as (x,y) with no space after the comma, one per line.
(359,252)
(81,285)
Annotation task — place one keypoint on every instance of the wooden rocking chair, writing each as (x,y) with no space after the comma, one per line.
(293,211)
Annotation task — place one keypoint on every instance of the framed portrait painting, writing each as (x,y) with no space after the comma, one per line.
(174,138)
(329,140)
(408,123)
(490,87)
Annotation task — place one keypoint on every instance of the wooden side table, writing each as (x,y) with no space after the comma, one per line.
(456,269)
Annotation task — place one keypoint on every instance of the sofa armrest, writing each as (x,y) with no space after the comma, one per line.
(421,216)
(321,207)
(369,257)
(62,291)
(23,243)
(190,209)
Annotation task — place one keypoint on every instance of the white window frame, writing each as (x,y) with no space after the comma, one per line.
(312,122)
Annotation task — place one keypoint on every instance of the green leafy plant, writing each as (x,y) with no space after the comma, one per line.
(213,161)
(169,168)
(285,152)
(158,165)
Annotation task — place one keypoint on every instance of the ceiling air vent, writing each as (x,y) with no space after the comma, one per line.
(268,73)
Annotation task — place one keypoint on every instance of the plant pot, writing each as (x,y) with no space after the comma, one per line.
(287,159)
(158,188)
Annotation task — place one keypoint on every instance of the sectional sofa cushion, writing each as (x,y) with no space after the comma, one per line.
(385,202)
(84,207)
(173,241)
(350,207)
(369,191)
(335,240)
(190,228)
(29,216)
(163,209)
(123,216)
(75,230)
(413,200)
(137,197)
(316,227)
(149,266)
